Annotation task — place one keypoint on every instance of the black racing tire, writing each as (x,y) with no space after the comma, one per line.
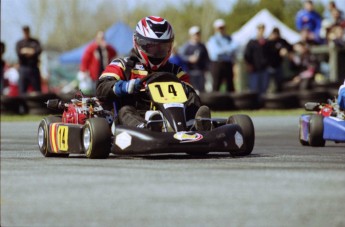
(38,100)
(246,100)
(41,111)
(316,131)
(319,96)
(43,136)
(302,142)
(217,100)
(286,100)
(248,132)
(66,97)
(13,105)
(96,138)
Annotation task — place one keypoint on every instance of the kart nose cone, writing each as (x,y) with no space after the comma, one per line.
(86,138)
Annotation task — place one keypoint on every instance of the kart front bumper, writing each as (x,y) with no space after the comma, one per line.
(130,140)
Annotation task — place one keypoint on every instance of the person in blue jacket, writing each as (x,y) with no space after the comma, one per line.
(341,96)
(222,51)
(308,19)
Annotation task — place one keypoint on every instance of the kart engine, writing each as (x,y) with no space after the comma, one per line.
(330,109)
(79,110)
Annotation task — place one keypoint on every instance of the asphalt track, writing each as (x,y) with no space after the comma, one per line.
(280,184)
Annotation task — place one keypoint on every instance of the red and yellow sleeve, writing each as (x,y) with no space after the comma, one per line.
(115,69)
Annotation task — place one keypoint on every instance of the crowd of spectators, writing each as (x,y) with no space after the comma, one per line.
(264,57)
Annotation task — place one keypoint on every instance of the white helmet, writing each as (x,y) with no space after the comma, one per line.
(153,40)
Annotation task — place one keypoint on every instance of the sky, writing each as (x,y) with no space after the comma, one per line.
(15,14)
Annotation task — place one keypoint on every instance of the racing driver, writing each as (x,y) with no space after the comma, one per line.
(120,82)
(341,96)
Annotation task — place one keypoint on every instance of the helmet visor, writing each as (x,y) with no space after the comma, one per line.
(155,49)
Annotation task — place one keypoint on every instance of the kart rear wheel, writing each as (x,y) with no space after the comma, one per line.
(43,136)
(316,131)
(248,133)
(96,138)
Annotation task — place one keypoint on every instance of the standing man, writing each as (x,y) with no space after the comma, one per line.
(96,57)
(194,52)
(278,49)
(255,55)
(308,19)
(221,49)
(28,50)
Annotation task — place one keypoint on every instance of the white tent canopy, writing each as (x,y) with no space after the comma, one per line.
(248,30)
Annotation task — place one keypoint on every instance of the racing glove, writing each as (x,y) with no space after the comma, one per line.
(123,87)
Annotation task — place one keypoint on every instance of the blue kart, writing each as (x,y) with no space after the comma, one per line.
(327,124)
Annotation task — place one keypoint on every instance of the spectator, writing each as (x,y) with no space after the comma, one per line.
(305,64)
(337,18)
(96,57)
(255,55)
(12,76)
(310,20)
(328,23)
(337,36)
(28,50)
(194,52)
(222,49)
(3,64)
(176,59)
(277,49)
(327,13)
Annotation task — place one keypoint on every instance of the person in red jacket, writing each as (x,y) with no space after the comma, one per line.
(120,82)
(96,57)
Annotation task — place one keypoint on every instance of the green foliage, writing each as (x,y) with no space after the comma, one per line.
(242,12)
(73,24)
(290,9)
(190,14)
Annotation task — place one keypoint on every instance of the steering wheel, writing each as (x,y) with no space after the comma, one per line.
(159,76)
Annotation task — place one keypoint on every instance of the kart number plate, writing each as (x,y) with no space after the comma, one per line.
(167,92)
(63,138)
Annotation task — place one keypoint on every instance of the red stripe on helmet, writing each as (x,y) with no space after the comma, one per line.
(157,19)
(143,21)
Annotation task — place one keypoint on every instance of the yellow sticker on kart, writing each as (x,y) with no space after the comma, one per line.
(63,138)
(167,92)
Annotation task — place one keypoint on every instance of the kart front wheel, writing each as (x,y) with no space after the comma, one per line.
(248,133)
(43,136)
(96,138)
(316,131)
(302,142)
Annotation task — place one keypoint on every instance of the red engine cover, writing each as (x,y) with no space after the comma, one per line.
(326,110)
(73,115)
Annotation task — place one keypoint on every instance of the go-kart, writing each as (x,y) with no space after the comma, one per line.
(327,124)
(86,128)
